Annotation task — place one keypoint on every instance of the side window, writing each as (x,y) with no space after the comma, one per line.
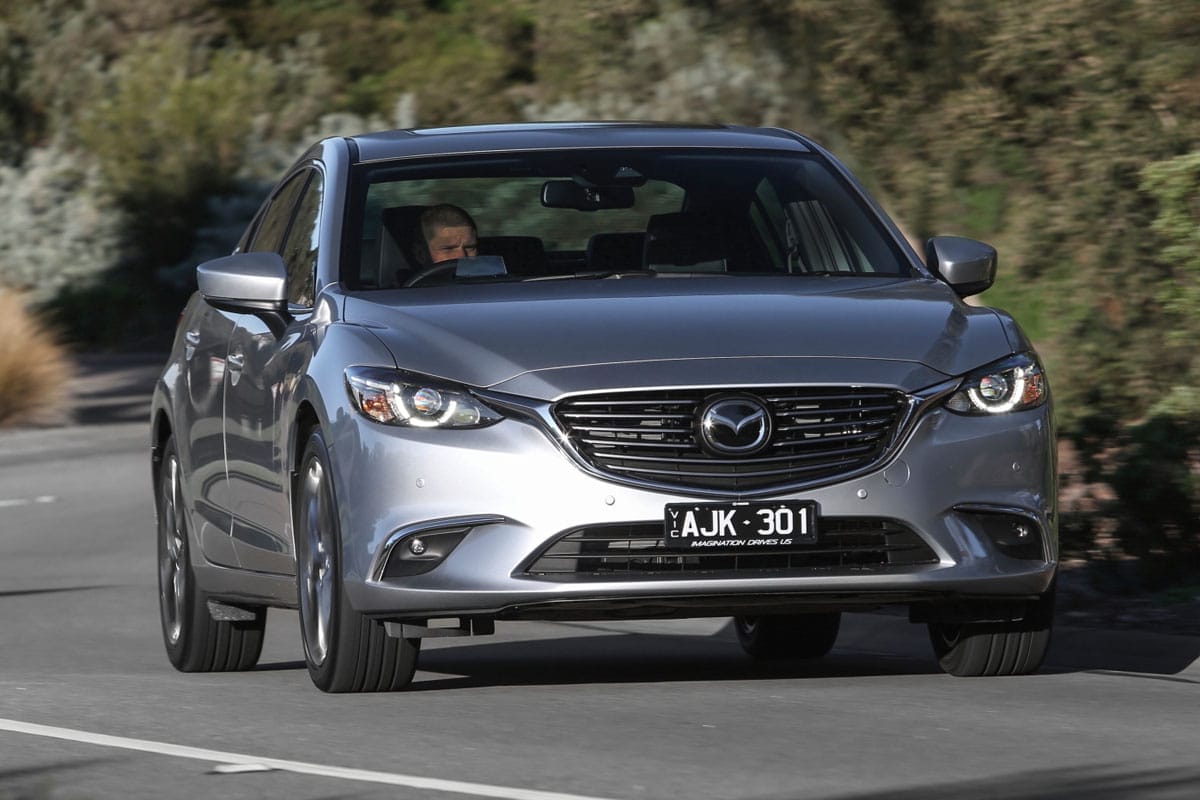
(300,249)
(275,219)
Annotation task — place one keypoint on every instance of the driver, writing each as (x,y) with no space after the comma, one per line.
(449,233)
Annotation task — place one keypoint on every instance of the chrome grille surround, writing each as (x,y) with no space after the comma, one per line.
(821,435)
(636,550)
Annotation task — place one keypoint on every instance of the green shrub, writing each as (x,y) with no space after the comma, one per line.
(1153,465)
(1175,185)
(114,311)
(172,132)
(1155,474)
(56,227)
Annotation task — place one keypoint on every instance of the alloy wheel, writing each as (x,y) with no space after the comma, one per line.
(317,583)
(172,563)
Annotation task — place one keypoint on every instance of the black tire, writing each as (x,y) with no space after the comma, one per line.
(195,642)
(788,636)
(345,651)
(991,649)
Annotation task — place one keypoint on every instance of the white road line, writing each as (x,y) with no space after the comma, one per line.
(368,776)
(25,501)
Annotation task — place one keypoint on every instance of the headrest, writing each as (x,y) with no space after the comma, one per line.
(684,241)
(523,255)
(402,243)
(616,250)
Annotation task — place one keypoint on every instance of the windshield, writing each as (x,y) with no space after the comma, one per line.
(581,214)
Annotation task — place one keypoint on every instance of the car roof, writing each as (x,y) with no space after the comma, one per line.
(465,139)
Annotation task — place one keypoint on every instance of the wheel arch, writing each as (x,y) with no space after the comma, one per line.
(160,431)
(306,421)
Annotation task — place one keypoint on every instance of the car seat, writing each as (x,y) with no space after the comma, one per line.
(684,242)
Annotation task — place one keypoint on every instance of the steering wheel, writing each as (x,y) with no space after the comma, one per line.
(429,273)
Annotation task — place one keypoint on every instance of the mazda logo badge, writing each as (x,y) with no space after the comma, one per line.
(735,426)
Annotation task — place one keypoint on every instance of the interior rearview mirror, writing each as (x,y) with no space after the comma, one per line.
(569,194)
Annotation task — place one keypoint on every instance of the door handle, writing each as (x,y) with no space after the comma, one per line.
(191,340)
(234,363)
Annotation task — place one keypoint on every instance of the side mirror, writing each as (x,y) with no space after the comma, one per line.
(569,194)
(244,283)
(967,265)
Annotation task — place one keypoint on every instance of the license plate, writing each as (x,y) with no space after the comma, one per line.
(761,527)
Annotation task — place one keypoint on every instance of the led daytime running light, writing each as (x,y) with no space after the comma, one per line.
(1015,395)
(1014,384)
(386,396)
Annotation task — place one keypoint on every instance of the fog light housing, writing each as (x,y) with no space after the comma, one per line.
(422,552)
(1014,535)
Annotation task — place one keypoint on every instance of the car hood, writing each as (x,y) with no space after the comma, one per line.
(548,339)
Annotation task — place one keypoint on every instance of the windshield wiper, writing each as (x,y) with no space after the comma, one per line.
(596,275)
(848,274)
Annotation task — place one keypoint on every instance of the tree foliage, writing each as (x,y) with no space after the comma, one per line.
(1154,464)
(1175,185)
(171,125)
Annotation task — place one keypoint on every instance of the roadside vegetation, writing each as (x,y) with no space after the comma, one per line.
(136,138)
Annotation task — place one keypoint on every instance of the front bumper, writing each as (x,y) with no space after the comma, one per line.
(516,490)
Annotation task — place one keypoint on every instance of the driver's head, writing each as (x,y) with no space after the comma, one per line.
(449,233)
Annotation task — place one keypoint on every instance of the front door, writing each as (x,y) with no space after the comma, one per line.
(262,374)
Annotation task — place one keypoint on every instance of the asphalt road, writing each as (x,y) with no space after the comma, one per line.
(90,707)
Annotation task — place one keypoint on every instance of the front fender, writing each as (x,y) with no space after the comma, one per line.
(320,399)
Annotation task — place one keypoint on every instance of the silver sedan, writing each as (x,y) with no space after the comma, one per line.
(595,371)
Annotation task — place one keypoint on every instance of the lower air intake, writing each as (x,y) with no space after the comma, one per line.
(637,551)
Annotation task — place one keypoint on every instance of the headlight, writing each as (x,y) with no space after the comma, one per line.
(399,398)
(1014,384)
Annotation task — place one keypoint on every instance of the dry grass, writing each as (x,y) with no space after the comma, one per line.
(34,368)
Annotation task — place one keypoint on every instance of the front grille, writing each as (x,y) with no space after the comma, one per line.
(637,550)
(820,434)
